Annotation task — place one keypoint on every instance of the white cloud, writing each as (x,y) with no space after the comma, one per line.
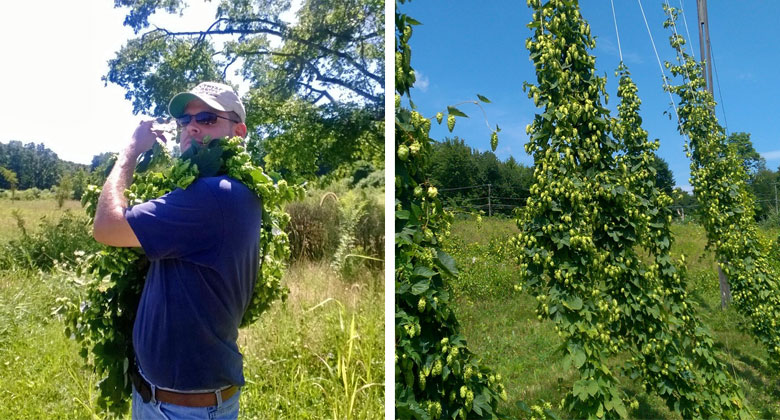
(610,47)
(421,81)
(771,155)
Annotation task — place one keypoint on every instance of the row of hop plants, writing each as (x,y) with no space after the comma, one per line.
(593,212)
(720,184)
(436,375)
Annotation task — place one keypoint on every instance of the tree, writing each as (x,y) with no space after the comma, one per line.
(452,164)
(664,179)
(64,190)
(99,160)
(100,167)
(764,188)
(80,183)
(10,178)
(752,161)
(35,165)
(306,79)
(455,165)
(307,141)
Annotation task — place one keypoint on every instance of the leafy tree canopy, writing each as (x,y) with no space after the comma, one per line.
(664,179)
(752,161)
(35,165)
(322,71)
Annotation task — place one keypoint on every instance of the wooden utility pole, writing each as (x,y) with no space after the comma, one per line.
(706,56)
(490,208)
(704,43)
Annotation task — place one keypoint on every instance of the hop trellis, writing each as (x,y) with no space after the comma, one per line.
(719,183)
(593,203)
(437,377)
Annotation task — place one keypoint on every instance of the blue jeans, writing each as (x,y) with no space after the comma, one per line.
(228,410)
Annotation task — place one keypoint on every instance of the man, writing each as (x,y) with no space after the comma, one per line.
(203,244)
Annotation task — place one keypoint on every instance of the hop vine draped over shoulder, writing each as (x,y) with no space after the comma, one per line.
(103,321)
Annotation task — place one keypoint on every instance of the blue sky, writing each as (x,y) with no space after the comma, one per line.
(54,54)
(467,47)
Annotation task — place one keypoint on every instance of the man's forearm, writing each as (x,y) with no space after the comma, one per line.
(112,197)
(109,217)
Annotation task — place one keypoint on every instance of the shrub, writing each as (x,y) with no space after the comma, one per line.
(60,241)
(32,194)
(341,223)
(314,227)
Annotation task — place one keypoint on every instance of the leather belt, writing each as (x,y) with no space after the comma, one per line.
(204,399)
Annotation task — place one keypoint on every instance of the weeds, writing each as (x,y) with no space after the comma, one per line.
(341,225)
(54,242)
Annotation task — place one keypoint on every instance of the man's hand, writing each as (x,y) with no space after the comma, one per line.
(143,139)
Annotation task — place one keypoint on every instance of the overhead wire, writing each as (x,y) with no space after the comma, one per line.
(660,66)
(715,68)
(720,94)
(617,33)
(686,28)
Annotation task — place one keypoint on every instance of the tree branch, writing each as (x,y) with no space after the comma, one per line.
(322,92)
(275,28)
(343,84)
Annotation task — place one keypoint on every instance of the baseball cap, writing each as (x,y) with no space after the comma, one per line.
(216,95)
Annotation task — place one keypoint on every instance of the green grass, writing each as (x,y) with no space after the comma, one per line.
(31,211)
(317,356)
(501,327)
(40,368)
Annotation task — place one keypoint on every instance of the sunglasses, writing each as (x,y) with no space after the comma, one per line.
(202,118)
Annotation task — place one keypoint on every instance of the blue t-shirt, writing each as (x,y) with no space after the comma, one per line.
(203,245)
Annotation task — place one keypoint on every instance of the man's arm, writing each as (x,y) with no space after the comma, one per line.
(111,227)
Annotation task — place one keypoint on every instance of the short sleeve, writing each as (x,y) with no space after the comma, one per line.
(185,223)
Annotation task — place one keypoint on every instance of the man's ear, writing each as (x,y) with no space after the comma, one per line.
(240,130)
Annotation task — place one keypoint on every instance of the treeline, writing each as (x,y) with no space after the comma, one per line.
(762,183)
(34,167)
(468,179)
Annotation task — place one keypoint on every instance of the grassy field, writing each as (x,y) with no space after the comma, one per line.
(319,355)
(501,326)
(31,211)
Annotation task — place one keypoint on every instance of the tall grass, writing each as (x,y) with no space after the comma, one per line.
(339,224)
(31,211)
(317,356)
(39,367)
(501,325)
(320,354)
(54,241)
